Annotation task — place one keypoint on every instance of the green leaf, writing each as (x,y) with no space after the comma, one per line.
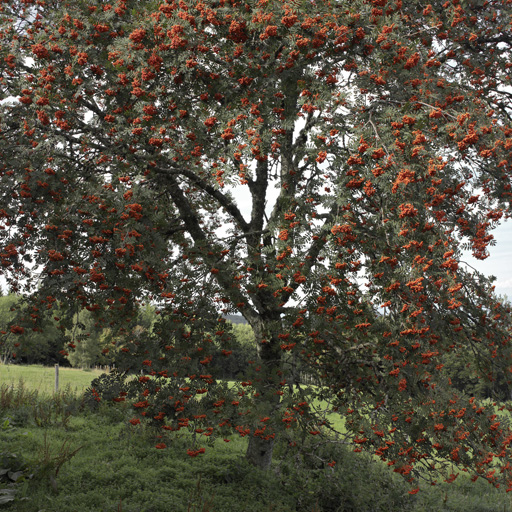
(7,495)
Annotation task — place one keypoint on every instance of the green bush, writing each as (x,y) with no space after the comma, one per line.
(106,388)
(330,477)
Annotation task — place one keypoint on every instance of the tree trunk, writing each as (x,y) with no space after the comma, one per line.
(259,452)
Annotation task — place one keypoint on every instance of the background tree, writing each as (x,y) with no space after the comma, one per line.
(243,354)
(43,346)
(306,164)
(89,346)
(8,338)
(97,345)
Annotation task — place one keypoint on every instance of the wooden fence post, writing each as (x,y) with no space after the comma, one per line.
(56,378)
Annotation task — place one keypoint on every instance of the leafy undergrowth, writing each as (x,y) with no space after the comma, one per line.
(99,462)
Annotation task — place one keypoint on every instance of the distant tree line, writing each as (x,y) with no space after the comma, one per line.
(86,343)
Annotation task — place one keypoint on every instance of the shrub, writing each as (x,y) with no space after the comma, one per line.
(330,477)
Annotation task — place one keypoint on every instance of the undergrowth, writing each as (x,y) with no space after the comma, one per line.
(58,456)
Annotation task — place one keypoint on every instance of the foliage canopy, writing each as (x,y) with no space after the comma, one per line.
(315,166)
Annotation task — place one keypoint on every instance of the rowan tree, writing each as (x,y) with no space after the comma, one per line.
(315,166)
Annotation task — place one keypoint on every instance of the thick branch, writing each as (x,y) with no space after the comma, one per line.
(223,200)
(224,276)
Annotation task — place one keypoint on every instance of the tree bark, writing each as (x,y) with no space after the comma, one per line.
(260,449)
(259,452)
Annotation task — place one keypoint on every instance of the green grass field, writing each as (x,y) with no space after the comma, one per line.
(74,459)
(42,379)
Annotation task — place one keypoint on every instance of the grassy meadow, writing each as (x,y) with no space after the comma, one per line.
(61,456)
(41,378)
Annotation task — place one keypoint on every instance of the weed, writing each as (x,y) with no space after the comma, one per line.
(197,502)
(56,409)
(27,406)
(6,424)
(51,460)
(14,397)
